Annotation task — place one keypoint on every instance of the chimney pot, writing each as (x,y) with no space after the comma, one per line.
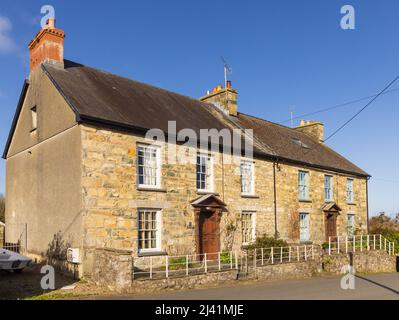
(228,84)
(51,23)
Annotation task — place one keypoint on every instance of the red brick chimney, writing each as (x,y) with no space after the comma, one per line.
(48,46)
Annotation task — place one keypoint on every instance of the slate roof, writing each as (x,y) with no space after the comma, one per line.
(102,98)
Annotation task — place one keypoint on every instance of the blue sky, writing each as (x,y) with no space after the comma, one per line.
(283,53)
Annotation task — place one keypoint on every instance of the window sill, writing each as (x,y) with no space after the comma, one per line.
(306,200)
(306,242)
(152,254)
(154,189)
(204,193)
(351,203)
(249,196)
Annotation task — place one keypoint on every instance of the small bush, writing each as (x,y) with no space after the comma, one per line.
(178,263)
(267,242)
(225,257)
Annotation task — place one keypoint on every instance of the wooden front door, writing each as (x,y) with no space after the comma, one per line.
(209,233)
(331,225)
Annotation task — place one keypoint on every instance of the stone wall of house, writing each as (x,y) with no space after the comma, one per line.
(111,197)
(363,262)
(113,269)
(289,207)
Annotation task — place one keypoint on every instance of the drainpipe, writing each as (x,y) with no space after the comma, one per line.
(275,200)
(367,202)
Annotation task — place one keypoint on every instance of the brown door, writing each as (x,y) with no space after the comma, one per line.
(209,234)
(331,226)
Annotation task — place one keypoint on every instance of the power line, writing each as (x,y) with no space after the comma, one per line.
(336,106)
(362,109)
(357,113)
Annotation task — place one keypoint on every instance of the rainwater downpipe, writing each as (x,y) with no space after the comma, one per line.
(275,200)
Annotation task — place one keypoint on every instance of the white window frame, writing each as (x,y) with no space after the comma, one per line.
(301,186)
(252,214)
(157,185)
(307,215)
(351,229)
(331,179)
(251,164)
(158,233)
(208,175)
(350,191)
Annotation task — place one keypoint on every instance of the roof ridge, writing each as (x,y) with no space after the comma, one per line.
(136,81)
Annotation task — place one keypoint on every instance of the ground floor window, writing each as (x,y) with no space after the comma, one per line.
(304,227)
(248,227)
(351,225)
(149,230)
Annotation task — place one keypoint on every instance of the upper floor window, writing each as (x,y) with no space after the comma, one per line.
(33,113)
(149,230)
(149,166)
(248,227)
(303,185)
(247,178)
(350,198)
(204,173)
(328,191)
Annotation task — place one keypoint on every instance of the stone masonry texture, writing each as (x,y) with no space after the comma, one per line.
(111,198)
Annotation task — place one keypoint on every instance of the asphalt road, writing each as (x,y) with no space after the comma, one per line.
(377,286)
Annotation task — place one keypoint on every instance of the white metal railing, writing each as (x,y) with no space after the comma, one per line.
(15,247)
(183,265)
(278,255)
(360,243)
(187,265)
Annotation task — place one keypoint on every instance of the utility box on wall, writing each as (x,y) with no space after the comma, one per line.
(73,255)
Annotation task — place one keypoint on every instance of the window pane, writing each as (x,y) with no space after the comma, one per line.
(147,229)
(303,185)
(148,167)
(247,177)
(304,227)
(247,227)
(204,172)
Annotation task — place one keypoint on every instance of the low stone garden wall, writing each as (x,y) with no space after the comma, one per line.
(288,271)
(212,279)
(114,269)
(363,262)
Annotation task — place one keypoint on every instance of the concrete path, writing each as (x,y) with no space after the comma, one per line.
(378,286)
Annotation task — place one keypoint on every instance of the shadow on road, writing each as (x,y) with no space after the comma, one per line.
(378,284)
(27,284)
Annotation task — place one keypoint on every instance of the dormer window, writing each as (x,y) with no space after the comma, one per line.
(33,113)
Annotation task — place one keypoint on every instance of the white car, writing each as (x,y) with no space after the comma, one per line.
(11,261)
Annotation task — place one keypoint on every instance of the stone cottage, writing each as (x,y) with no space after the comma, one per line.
(82,174)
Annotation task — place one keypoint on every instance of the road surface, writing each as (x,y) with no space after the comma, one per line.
(377,286)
